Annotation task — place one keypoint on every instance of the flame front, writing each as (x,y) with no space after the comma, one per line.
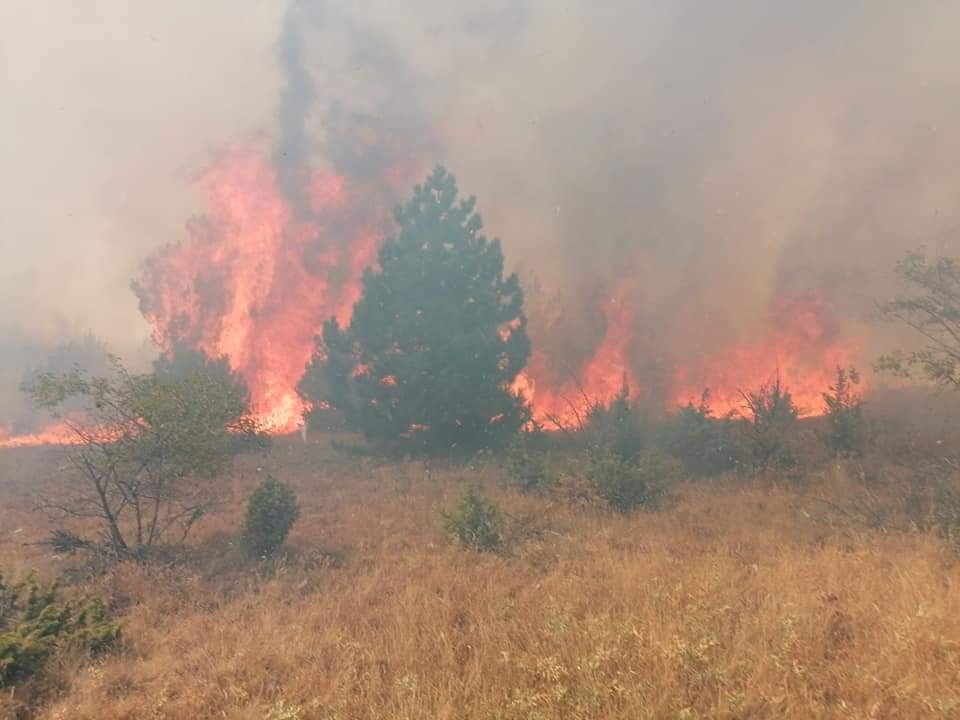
(564,403)
(57,433)
(802,344)
(254,284)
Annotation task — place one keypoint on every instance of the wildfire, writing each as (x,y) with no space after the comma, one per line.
(254,284)
(565,403)
(802,344)
(58,433)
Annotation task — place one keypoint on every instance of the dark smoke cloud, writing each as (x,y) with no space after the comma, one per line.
(292,152)
(710,156)
(351,100)
(713,156)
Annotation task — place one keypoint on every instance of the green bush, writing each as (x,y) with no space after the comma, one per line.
(271,511)
(150,451)
(704,444)
(846,433)
(35,623)
(476,523)
(616,427)
(526,464)
(770,427)
(627,486)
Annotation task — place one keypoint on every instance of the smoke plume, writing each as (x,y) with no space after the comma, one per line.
(736,178)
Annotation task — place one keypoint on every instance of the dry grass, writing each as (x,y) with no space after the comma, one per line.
(733,602)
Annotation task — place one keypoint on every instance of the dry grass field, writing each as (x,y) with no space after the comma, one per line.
(738,599)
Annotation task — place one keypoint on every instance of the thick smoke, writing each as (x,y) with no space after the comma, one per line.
(713,157)
(711,163)
(110,111)
(704,159)
(291,156)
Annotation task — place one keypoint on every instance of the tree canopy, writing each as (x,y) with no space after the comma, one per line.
(437,337)
(932,309)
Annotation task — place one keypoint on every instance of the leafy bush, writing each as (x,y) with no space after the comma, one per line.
(476,523)
(846,434)
(527,464)
(35,623)
(271,512)
(704,444)
(150,450)
(627,486)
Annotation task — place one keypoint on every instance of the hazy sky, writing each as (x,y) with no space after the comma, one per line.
(110,109)
(711,154)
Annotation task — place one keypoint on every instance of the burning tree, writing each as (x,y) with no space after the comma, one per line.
(147,451)
(437,337)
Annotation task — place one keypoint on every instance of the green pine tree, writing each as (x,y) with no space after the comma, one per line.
(437,337)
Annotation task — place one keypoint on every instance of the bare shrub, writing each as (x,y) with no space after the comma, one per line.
(933,501)
(932,309)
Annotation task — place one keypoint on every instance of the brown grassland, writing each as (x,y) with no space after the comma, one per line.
(739,599)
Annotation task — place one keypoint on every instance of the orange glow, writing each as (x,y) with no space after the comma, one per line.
(802,343)
(254,284)
(57,433)
(566,403)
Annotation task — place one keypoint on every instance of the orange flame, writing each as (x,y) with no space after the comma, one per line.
(803,344)
(566,403)
(57,433)
(254,284)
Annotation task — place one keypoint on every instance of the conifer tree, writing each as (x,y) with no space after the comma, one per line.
(437,337)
